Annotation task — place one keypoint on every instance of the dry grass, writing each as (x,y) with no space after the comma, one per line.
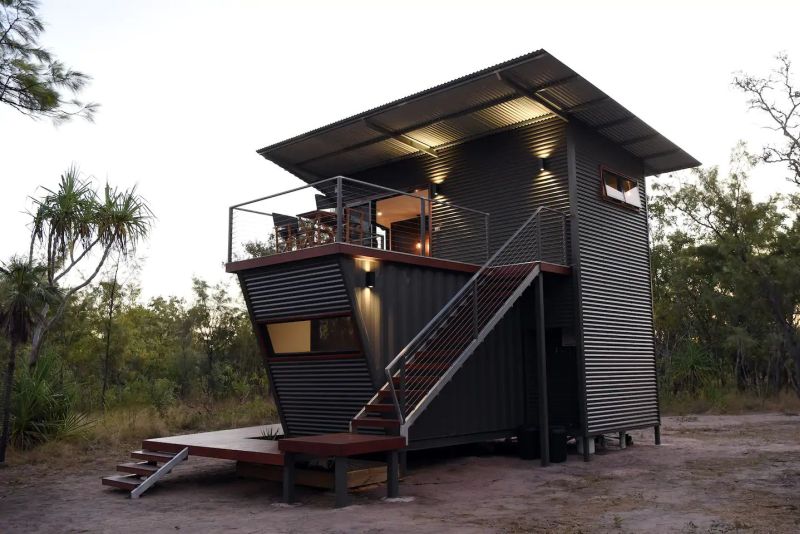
(122,429)
(729,403)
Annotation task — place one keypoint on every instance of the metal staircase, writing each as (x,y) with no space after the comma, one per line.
(420,371)
(142,474)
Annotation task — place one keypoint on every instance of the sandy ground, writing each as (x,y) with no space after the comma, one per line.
(712,474)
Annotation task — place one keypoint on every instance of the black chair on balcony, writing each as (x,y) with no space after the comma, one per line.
(287,230)
(325,202)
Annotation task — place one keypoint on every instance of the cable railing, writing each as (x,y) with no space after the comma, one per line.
(344,210)
(416,374)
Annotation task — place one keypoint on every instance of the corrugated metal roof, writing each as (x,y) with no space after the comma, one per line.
(503,96)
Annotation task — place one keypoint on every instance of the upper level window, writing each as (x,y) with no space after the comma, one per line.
(620,189)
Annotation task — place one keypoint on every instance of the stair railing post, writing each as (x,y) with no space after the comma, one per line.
(401,394)
(539,235)
(422,226)
(339,210)
(486,235)
(475,329)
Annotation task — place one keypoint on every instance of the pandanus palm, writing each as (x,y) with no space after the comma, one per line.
(75,226)
(23,291)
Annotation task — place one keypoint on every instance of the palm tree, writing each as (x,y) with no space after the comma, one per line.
(75,229)
(23,289)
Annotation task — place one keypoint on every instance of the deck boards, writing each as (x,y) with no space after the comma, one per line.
(240,444)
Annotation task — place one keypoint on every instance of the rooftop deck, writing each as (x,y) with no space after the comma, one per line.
(346,211)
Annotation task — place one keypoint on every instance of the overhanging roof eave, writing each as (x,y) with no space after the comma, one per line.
(355,142)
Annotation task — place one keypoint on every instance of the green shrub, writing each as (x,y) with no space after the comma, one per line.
(43,407)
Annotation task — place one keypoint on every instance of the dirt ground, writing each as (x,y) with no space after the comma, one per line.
(711,474)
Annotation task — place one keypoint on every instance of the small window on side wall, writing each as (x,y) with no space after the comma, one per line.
(620,189)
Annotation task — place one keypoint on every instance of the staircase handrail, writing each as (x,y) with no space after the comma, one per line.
(394,366)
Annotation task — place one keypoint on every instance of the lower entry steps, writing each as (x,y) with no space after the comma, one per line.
(142,474)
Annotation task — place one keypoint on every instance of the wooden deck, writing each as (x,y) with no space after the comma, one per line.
(241,444)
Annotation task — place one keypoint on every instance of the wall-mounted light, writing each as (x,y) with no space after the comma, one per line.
(542,164)
(436,189)
(369,279)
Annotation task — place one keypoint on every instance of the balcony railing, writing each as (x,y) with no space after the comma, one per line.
(344,210)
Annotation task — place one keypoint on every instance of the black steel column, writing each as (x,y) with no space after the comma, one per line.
(288,477)
(657,434)
(392,478)
(340,481)
(541,359)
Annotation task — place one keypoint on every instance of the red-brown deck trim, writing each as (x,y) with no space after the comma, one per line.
(341,444)
(371,253)
(349,250)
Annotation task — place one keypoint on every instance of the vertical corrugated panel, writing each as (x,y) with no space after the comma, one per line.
(486,395)
(321,396)
(404,299)
(497,174)
(297,289)
(616,300)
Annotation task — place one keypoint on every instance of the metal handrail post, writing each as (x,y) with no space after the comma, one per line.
(475,329)
(486,234)
(421,226)
(339,213)
(539,235)
(401,400)
(230,234)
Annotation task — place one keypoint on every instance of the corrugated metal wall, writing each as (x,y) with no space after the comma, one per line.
(312,287)
(498,174)
(318,394)
(404,299)
(321,396)
(486,396)
(615,294)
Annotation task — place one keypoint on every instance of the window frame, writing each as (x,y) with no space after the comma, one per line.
(357,348)
(604,170)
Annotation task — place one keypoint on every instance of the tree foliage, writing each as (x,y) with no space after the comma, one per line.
(23,290)
(159,351)
(726,281)
(32,80)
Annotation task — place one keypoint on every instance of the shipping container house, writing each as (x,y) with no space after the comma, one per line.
(461,263)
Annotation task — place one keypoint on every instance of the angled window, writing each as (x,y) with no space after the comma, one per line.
(620,189)
(322,336)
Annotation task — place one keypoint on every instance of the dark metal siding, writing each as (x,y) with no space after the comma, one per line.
(321,396)
(486,395)
(404,299)
(495,391)
(294,290)
(615,294)
(497,174)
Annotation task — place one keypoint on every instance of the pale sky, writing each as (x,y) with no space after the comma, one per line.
(189,90)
